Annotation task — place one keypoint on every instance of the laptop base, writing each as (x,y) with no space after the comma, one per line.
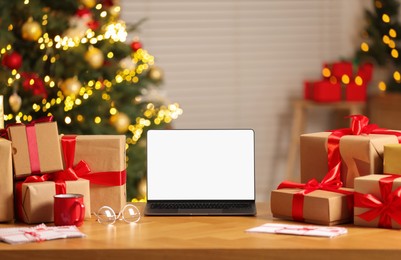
(200,208)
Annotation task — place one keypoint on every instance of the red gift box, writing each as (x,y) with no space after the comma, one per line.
(354,92)
(365,71)
(326,91)
(308,90)
(342,68)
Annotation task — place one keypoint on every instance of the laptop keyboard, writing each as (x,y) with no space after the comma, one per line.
(200,205)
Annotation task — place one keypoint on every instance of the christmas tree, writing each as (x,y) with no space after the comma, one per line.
(69,59)
(381,41)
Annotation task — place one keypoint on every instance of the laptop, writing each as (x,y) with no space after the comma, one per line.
(201,172)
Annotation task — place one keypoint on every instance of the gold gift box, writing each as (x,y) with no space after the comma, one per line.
(391,157)
(320,207)
(6,182)
(361,155)
(103,153)
(35,204)
(48,149)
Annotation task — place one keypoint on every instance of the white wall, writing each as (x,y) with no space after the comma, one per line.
(239,63)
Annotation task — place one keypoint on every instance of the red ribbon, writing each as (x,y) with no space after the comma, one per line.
(331,182)
(3,133)
(116,178)
(387,208)
(35,235)
(33,145)
(359,126)
(32,142)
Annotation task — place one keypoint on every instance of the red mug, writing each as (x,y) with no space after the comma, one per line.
(69,209)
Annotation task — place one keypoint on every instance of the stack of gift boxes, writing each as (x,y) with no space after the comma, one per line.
(350,175)
(36,162)
(340,82)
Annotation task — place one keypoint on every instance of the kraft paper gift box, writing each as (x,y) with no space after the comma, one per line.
(6,182)
(105,155)
(35,199)
(360,154)
(377,201)
(319,207)
(392,158)
(36,148)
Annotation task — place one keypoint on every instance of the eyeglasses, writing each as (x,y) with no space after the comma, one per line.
(129,213)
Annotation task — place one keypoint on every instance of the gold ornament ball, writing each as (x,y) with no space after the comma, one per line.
(121,122)
(71,86)
(15,102)
(88,3)
(94,57)
(142,187)
(155,73)
(31,30)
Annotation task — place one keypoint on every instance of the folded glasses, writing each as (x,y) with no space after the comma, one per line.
(129,213)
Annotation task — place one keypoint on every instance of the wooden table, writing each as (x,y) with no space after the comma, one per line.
(207,238)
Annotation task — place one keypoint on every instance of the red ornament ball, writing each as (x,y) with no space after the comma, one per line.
(12,60)
(33,83)
(136,45)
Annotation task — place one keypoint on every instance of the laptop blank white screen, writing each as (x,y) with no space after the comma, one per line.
(200,165)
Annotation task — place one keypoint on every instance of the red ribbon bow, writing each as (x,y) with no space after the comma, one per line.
(359,126)
(387,208)
(331,182)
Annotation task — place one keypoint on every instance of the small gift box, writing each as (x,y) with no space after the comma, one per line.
(359,149)
(326,91)
(36,149)
(324,204)
(342,68)
(391,158)
(308,90)
(377,201)
(365,71)
(355,92)
(6,182)
(35,199)
(105,156)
